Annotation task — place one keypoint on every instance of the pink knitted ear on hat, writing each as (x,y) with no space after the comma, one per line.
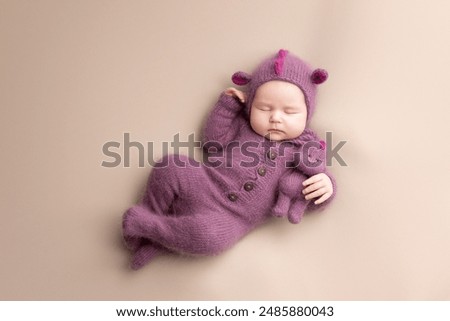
(279,61)
(319,76)
(241,78)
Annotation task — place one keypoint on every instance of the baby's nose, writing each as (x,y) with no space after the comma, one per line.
(275,116)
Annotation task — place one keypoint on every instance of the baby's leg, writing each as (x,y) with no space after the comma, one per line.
(143,249)
(146,252)
(203,233)
(132,242)
(177,177)
(172,179)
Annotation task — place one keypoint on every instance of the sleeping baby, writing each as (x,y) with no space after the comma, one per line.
(261,161)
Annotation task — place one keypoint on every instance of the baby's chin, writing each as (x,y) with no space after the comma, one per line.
(276,136)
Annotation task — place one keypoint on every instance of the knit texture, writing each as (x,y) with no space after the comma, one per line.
(290,202)
(286,67)
(204,209)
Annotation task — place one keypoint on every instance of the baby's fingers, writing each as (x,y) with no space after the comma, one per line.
(312,180)
(313,187)
(235,93)
(230,91)
(240,95)
(322,199)
(317,193)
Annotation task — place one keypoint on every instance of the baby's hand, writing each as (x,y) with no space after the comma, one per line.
(236,93)
(318,185)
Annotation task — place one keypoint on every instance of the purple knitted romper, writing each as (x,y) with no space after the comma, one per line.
(205,208)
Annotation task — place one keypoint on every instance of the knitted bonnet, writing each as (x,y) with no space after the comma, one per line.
(286,67)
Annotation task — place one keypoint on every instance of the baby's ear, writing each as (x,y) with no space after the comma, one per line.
(241,78)
(319,76)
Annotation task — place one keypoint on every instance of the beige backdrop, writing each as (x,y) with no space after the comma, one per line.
(77,74)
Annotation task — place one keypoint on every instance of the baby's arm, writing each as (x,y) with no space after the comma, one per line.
(226,119)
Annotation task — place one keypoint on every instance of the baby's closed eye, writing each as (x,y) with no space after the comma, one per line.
(292,110)
(263,108)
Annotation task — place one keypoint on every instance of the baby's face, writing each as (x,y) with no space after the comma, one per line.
(278,111)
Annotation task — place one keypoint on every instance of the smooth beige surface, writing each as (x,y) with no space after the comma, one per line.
(77,74)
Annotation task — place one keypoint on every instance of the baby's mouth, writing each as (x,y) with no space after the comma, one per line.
(271,132)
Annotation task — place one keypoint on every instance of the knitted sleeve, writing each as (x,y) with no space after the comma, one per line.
(224,122)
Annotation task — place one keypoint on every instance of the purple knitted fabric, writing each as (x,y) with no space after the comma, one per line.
(286,67)
(290,202)
(204,209)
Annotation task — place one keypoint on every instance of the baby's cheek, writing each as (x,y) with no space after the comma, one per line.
(295,128)
(257,122)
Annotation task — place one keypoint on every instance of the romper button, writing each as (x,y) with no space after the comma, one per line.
(248,186)
(271,155)
(262,171)
(232,197)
